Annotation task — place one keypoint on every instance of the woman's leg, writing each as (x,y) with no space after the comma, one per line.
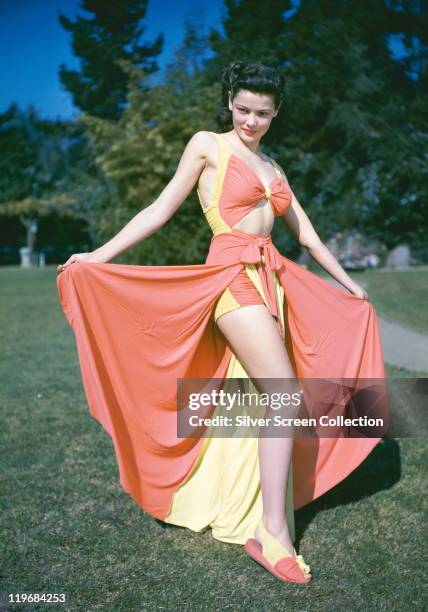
(254,338)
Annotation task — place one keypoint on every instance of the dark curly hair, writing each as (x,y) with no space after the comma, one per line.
(255,77)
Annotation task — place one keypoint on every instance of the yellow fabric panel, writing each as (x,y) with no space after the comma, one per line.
(276,166)
(215,220)
(223,490)
(212,212)
(226,303)
(223,158)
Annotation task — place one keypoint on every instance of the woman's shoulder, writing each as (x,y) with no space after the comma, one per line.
(203,143)
(202,140)
(203,136)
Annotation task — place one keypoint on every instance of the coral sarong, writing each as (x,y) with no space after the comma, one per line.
(140,328)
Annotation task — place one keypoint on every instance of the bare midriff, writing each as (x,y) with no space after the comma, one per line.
(258,221)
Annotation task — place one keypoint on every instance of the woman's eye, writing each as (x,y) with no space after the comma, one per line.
(244,110)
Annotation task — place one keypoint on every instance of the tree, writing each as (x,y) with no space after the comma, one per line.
(138,156)
(111,34)
(39,162)
(354,118)
(192,54)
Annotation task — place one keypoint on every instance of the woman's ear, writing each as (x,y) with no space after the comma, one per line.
(230,100)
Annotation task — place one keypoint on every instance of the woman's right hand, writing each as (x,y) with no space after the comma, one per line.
(91,257)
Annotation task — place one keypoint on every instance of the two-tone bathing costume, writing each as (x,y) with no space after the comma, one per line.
(140,330)
(237,192)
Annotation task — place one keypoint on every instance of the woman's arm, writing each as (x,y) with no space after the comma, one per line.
(154,216)
(301,227)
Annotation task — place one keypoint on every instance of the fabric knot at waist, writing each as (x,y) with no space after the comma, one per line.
(236,246)
(262,251)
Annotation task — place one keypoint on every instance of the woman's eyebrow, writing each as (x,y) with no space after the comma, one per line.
(260,109)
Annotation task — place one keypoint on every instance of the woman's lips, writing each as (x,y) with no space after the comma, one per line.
(247,131)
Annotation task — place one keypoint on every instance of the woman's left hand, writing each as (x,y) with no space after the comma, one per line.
(359,291)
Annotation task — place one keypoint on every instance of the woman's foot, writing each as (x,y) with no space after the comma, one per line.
(282,537)
(280,533)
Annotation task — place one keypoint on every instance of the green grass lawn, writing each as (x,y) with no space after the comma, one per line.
(398,294)
(68,526)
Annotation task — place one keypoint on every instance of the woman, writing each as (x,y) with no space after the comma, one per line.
(248,312)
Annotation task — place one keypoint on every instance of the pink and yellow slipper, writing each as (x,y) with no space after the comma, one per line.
(276,559)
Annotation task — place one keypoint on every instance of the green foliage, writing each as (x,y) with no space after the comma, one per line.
(353,126)
(138,156)
(350,135)
(111,34)
(42,162)
(355,131)
(18,151)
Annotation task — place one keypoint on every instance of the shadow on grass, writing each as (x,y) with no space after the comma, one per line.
(379,471)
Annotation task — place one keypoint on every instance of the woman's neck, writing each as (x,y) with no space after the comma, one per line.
(252,146)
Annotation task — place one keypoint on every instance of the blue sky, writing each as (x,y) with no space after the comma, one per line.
(33,44)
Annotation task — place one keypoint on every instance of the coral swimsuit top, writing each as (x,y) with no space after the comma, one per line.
(238,189)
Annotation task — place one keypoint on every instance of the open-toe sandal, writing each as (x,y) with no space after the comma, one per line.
(276,559)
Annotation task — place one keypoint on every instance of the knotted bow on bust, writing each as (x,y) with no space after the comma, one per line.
(278,194)
(262,251)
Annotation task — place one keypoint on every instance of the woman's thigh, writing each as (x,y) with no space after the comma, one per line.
(253,336)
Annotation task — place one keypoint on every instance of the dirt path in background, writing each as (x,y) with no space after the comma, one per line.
(402,346)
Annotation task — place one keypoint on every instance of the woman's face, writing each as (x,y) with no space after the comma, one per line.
(252,114)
